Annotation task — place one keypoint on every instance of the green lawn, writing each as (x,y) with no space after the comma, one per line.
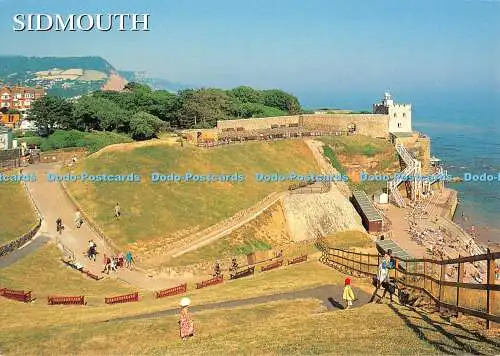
(17,215)
(157,211)
(45,274)
(358,145)
(277,328)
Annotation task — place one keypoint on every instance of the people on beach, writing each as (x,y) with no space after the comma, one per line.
(186,325)
(78,219)
(348,294)
(117,211)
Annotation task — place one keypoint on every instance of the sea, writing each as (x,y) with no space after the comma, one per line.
(465,134)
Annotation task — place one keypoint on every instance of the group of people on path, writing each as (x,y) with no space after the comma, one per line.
(111,263)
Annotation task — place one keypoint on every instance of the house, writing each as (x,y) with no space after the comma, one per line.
(10,120)
(19,98)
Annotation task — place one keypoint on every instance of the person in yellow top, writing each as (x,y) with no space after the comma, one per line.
(348,294)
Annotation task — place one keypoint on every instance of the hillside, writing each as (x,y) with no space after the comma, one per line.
(18,220)
(62,76)
(163,213)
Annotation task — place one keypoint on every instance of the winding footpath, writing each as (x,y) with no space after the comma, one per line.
(329,295)
(52,202)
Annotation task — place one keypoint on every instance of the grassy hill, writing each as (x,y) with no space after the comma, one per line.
(17,215)
(165,211)
(283,327)
(56,74)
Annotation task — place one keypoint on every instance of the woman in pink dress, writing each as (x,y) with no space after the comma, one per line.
(185,322)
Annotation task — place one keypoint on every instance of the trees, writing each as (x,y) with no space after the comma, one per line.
(49,112)
(99,113)
(246,94)
(279,99)
(144,126)
(138,109)
(202,108)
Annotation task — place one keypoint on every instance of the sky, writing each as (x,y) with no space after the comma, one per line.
(304,46)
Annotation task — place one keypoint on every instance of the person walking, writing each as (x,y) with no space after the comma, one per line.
(186,325)
(348,294)
(117,211)
(129,259)
(59,226)
(78,219)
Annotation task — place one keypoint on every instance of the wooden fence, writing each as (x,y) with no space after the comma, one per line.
(481,300)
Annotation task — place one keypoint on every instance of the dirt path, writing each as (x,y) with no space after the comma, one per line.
(330,296)
(52,203)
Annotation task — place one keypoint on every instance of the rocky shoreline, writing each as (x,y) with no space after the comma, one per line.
(431,225)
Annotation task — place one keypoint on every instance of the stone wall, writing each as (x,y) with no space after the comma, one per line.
(374,125)
(14,245)
(258,123)
(20,241)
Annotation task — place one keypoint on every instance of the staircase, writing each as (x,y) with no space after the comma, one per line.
(412,169)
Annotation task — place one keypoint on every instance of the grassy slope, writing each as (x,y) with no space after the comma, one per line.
(349,239)
(360,146)
(285,327)
(17,215)
(157,210)
(46,279)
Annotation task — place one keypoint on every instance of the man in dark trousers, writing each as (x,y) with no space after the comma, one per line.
(59,226)
(117,211)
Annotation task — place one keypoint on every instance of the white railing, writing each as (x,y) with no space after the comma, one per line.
(412,170)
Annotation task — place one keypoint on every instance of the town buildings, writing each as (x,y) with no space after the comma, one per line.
(10,120)
(19,98)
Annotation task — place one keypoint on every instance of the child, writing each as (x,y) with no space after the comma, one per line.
(186,322)
(348,294)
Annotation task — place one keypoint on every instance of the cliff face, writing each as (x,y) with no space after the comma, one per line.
(310,216)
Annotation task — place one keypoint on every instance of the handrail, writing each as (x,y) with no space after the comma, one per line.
(411,278)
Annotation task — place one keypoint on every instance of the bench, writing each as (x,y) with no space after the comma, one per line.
(182,288)
(246,272)
(19,295)
(271,266)
(134,297)
(299,259)
(210,282)
(93,276)
(54,300)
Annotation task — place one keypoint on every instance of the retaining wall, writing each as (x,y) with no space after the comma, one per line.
(14,245)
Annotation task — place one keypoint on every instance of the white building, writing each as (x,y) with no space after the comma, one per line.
(399,114)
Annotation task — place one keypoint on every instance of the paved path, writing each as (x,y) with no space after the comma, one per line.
(330,296)
(30,247)
(52,202)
